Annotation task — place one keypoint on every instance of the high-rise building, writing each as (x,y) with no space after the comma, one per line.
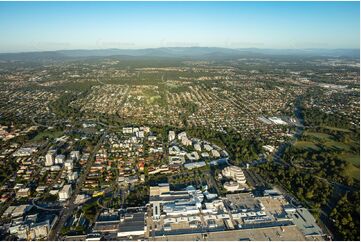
(75,155)
(65,192)
(49,158)
(171,136)
(59,159)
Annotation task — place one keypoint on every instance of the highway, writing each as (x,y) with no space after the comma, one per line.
(70,206)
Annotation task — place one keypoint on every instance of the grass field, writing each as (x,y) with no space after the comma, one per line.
(352,171)
(318,135)
(306,145)
(336,129)
(352,158)
(317,140)
(153,99)
(337,146)
(47,133)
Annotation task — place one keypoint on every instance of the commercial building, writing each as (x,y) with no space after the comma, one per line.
(33,227)
(107,222)
(169,202)
(132,226)
(184,215)
(235,173)
(55,168)
(304,220)
(17,211)
(232,186)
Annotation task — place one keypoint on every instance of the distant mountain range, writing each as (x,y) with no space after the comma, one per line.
(178,52)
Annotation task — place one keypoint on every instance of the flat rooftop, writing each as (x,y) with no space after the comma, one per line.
(135,223)
(243,201)
(259,234)
(106,227)
(305,222)
(273,205)
(170,197)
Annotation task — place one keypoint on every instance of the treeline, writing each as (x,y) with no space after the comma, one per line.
(350,137)
(138,196)
(321,163)
(346,216)
(190,107)
(62,108)
(316,117)
(239,149)
(306,187)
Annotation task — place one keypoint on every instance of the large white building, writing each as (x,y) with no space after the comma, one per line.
(174,203)
(171,135)
(72,176)
(127,130)
(49,158)
(232,186)
(215,153)
(197,147)
(59,159)
(193,156)
(68,165)
(181,135)
(186,141)
(65,193)
(235,173)
(176,160)
(193,165)
(277,120)
(75,155)
(207,147)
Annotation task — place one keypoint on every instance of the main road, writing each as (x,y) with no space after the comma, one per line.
(70,205)
(326,223)
(297,135)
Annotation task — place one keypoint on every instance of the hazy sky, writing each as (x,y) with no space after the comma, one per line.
(28,26)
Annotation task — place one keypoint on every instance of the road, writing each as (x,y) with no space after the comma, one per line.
(112,191)
(42,208)
(254,179)
(69,208)
(325,225)
(299,131)
(277,158)
(36,123)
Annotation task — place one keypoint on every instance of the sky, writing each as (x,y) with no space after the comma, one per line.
(40,26)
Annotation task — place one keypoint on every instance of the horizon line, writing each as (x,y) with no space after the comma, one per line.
(170,47)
